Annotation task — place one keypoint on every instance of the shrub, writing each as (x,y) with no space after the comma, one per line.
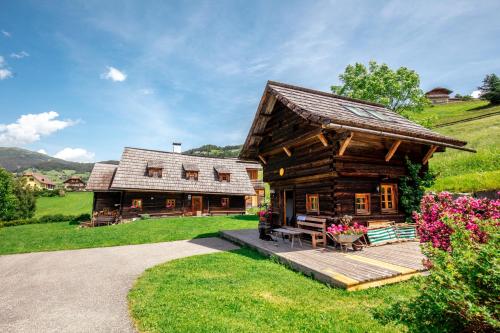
(465,211)
(74,219)
(412,187)
(461,292)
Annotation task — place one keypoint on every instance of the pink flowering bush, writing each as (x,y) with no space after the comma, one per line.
(465,211)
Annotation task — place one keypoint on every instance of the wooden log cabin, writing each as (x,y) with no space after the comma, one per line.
(160,183)
(329,155)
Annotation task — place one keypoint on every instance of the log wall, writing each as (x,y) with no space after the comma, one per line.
(313,168)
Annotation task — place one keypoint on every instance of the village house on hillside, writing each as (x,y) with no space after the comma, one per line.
(37,181)
(74,183)
(439,95)
(328,155)
(166,183)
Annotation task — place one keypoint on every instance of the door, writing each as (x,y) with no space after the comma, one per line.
(197,205)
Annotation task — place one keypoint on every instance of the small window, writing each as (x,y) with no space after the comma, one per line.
(155,172)
(170,203)
(224,177)
(362,203)
(357,111)
(224,202)
(191,175)
(253,174)
(388,198)
(137,203)
(312,203)
(376,114)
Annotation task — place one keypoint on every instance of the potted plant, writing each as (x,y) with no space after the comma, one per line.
(344,232)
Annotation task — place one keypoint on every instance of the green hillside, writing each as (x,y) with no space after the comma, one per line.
(18,159)
(440,114)
(215,151)
(461,171)
(74,203)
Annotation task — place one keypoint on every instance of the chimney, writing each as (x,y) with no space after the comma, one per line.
(177,147)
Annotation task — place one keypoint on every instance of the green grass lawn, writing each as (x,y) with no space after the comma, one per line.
(440,114)
(461,171)
(65,236)
(241,291)
(73,203)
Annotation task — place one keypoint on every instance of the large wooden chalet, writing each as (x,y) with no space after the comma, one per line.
(165,183)
(329,155)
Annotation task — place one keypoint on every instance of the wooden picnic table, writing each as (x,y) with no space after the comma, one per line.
(292,234)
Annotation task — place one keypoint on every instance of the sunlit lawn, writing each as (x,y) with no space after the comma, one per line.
(241,291)
(64,236)
(73,203)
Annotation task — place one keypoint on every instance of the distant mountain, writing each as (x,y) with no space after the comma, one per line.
(215,151)
(18,159)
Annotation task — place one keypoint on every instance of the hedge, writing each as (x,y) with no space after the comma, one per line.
(47,219)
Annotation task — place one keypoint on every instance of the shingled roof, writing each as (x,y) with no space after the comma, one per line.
(326,109)
(130,174)
(101,177)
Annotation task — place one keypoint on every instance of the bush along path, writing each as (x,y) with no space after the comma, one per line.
(461,239)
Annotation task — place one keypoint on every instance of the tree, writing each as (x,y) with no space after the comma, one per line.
(26,199)
(8,200)
(490,90)
(398,90)
(16,201)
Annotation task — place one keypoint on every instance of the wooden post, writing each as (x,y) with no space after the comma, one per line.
(287,151)
(428,156)
(323,140)
(344,144)
(393,149)
(262,158)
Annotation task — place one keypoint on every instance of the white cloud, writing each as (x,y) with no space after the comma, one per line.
(6,33)
(5,73)
(42,151)
(114,74)
(31,127)
(20,55)
(75,155)
(476,94)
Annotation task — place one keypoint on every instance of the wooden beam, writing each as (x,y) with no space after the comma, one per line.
(287,151)
(344,144)
(292,143)
(262,159)
(428,156)
(393,149)
(323,140)
(270,104)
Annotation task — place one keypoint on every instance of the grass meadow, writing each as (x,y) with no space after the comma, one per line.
(73,203)
(200,294)
(67,236)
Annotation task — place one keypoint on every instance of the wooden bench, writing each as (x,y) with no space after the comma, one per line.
(315,226)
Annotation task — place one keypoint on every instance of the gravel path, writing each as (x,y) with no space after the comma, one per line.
(82,290)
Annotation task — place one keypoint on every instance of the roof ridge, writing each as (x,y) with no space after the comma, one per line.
(324,93)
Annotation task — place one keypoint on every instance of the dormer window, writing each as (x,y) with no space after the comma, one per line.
(191,171)
(192,175)
(224,174)
(154,169)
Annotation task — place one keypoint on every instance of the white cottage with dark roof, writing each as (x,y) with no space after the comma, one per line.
(165,183)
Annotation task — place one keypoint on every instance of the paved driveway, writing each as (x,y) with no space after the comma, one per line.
(82,290)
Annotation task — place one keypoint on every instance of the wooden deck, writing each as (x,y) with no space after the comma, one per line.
(371,267)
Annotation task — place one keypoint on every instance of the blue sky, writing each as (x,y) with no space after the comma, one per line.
(82,79)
